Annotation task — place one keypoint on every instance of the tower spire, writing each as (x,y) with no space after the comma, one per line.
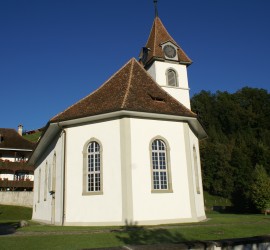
(156,9)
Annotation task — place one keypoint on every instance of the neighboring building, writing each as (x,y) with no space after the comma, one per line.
(15,174)
(129,151)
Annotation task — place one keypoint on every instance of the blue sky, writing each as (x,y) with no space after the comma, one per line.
(55,52)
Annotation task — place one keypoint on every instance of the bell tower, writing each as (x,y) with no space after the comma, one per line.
(166,62)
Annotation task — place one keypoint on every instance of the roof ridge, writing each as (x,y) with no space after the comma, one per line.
(171,39)
(155,35)
(129,82)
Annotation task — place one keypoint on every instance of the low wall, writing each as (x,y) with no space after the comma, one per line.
(23,198)
(252,243)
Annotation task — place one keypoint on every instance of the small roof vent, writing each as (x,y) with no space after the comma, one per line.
(157,98)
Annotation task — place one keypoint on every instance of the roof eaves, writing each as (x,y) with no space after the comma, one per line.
(192,119)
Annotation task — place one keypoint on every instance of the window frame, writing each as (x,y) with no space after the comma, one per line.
(85,168)
(168,166)
(176,78)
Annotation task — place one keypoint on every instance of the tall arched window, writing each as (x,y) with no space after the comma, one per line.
(196,170)
(171,78)
(45,181)
(53,174)
(160,166)
(39,182)
(92,183)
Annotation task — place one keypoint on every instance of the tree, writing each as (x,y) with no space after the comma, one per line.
(259,190)
(238,128)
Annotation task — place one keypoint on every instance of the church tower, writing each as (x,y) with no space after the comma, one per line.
(166,62)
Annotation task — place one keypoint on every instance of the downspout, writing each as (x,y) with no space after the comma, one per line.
(64,173)
(64,177)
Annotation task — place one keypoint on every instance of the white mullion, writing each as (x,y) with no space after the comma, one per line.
(159,176)
(94,169)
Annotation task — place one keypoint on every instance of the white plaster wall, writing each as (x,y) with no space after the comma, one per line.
(152,71)
(42,209)
(158,206)
(182,95)
(90,209)
(9,158)
(10,177)
(158,73)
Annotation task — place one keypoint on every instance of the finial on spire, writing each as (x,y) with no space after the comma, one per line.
(156,10)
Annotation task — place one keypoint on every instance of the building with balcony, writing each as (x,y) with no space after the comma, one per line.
(15,173)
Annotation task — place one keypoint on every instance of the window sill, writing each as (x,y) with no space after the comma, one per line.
(92,193)
(162,191)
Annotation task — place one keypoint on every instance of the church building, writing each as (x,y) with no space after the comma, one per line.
(128,153)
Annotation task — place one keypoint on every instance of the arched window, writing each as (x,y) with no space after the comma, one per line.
(39,182)
(45,181)
(160,166)
(92,183)
(53,185)
(196,170)
(171,78)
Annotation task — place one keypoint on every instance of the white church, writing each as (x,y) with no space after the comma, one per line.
(128,153)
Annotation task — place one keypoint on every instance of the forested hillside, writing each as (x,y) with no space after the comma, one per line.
(236,153)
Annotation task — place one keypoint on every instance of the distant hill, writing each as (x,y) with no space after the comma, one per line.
(33,137)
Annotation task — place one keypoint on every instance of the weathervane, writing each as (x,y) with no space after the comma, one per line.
(156,10)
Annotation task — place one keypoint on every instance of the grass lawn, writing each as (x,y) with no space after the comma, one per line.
(14,213)
(213,200)
(33,137)
(219,226)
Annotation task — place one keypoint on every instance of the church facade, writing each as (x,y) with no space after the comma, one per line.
(128,153)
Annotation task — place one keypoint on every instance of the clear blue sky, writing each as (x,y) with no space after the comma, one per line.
(55,52)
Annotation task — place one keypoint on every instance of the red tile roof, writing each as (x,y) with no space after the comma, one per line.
(131,88)
(11,139)
(158,36)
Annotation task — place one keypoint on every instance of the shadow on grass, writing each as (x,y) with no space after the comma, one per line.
(8,228)
(133,234)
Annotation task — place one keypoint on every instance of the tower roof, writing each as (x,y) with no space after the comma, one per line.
(130,88)
(158,36)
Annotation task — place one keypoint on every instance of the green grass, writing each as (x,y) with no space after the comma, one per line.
(33,137)
(212,200)
(218,226)
(14,213)
(66,242)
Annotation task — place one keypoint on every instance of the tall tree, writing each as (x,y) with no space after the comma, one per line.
(260,194)
(238,128)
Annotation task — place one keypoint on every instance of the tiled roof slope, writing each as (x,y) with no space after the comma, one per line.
(131,88)
(158,36)
(11,139)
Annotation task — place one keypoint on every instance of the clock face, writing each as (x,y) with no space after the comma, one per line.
(169,51)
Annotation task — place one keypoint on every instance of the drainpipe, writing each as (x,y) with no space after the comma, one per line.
(63,172)
(64,177)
